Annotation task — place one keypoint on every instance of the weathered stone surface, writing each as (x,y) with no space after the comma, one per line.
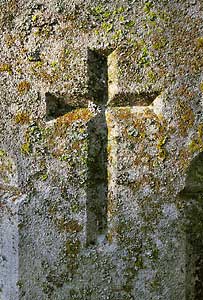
(101,135)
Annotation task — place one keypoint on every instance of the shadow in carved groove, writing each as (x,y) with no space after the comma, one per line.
(97,185)
(193,197)
(56,106)
(97,149)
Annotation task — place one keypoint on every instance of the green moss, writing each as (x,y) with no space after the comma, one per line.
(2,153)
(117,34)
(98,10)
(67,52)
(151,75)
(101,12)
(44,177)
(129,24)
(107,27)
(159,43)
(119,10)
(151,15)
(147,7)
(145,58)
(32,137)
(75,207)
(107,18)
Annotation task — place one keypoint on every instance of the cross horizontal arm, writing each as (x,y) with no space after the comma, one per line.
(133,99)
(59,106)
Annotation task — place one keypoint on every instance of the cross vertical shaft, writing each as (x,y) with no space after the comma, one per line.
(97,152)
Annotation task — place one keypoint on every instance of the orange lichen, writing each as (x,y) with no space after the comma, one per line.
(50,78)
(80,114)
(9,40)
(124,113)
(23,87)
(69,118)
(185,117)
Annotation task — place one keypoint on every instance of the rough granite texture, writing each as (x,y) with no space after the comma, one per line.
(101,141)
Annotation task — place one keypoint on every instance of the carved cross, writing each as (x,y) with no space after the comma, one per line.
(100,92)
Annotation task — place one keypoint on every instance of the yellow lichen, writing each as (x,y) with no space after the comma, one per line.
(2,153)
(34,18)
(197,144)
(25,148)
(22,118)
(4,67)
(200,42)
(201,86)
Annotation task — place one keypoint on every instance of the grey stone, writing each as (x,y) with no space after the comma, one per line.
(101,150)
